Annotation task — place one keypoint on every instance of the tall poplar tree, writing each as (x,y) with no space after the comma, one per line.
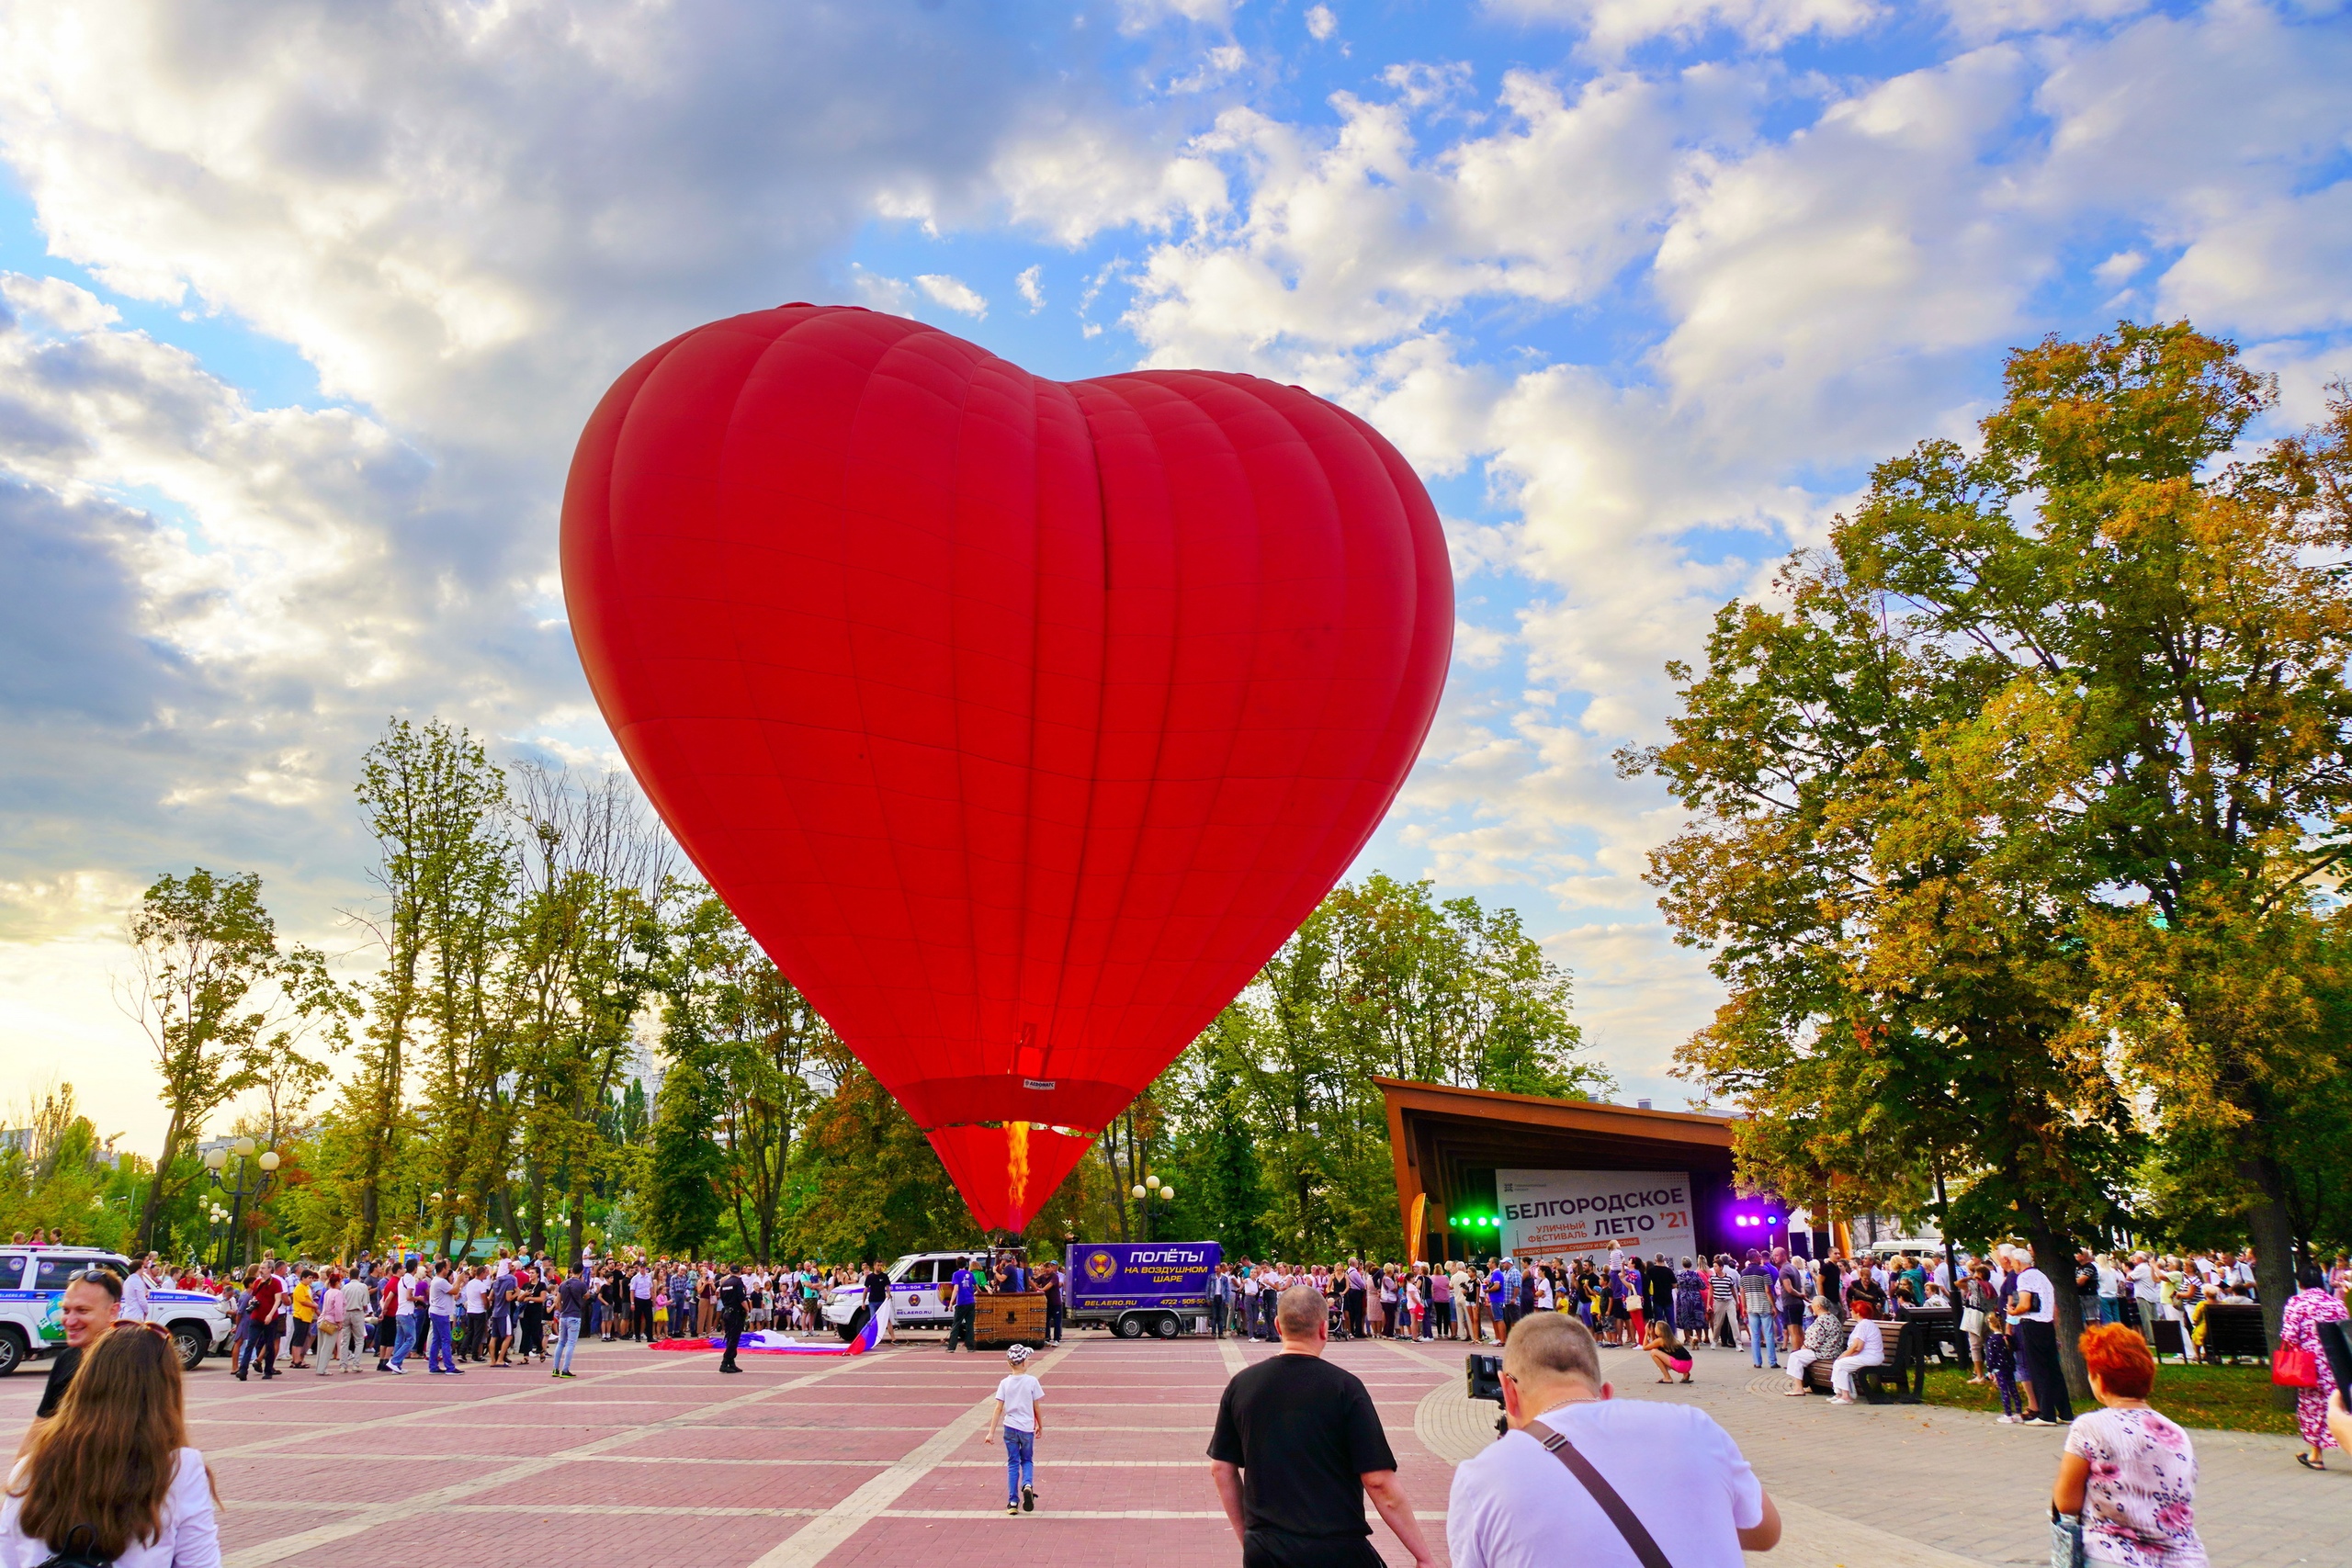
(431,798)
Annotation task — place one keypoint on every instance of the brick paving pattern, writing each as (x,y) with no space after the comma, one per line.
(860,1460)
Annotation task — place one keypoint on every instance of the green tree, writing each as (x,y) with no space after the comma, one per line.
(2169,628)
(680,1195)
(432,798)
(1904,984)
(215,994)
(590,944)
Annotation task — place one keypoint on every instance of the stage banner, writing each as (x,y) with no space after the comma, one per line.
(1557,1213)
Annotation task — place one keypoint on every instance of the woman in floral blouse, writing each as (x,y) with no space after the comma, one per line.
(2310,1306)
(2127,1470)
(1823,1339)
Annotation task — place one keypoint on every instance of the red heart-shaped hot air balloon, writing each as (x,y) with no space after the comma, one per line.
(1019,721)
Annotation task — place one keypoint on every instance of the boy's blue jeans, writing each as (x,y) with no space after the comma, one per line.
(1764,1333)
(405,1340)
(1020,1464)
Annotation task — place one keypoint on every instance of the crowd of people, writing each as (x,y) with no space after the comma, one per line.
(1789,1311)
(508,1310)
(105,1472)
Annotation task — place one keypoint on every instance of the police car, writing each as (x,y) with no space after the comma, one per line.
(32,1282)
(922,1292)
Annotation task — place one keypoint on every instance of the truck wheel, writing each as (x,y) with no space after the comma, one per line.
(12,1350)
(1166,1325)
(850,1330)
(192,1340)
(1129,1326)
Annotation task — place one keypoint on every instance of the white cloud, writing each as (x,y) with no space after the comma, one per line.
(1978,20)
(1836,265)
(954,293)
(1076,177)
(877,291)
(1637,997)
(1611,27)
(1321,23)
(1030,282)
(1478,648)
(2280,265)
(2120,268)
(63,306)
(1142,16)
(1352,239)
(472,219)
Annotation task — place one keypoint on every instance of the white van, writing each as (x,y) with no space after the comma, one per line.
(32,1281)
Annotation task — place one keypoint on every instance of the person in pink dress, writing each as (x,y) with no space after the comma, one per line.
(2310,1306)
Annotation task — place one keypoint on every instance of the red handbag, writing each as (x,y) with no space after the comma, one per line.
(2292,1367)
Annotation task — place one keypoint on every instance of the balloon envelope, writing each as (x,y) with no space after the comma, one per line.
(1019,721)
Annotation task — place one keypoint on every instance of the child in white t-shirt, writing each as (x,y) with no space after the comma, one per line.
(1016,1411)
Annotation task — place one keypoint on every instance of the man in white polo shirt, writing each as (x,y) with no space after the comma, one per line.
(1666,1473)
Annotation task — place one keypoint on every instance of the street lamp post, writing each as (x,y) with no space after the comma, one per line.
(248,1182)
(220,1228)
(1148,1192)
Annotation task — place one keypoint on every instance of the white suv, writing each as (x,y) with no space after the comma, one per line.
(917,1299)
(32,1281)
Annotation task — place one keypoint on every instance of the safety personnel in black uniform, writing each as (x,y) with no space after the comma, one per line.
(732,1299)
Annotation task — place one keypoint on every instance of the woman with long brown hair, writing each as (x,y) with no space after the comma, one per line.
(110,1477)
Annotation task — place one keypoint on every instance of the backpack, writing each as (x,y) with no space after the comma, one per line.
(72,1556)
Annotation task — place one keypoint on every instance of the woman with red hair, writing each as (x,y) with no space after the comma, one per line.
(2128,1472)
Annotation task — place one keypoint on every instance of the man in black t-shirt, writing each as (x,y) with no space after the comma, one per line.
(1657,1291)
(1297,1445)
(877,1292)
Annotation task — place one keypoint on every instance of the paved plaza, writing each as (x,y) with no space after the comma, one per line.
(859,1459)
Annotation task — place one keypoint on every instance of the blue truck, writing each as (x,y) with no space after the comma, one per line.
(1135,1288)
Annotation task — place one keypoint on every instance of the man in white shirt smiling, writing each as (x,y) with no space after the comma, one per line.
(1676,1472)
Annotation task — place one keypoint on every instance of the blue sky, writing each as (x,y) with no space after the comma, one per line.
(306,303)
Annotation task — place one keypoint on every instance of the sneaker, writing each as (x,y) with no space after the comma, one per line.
(567,1374)
(2004,1420)
(397,1371)
(1028,1499)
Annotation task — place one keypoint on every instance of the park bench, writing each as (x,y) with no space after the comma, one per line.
(1939,1333)
(2233,1330)
(1900,1378)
